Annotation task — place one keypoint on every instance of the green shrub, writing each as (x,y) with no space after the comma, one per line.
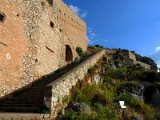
(130,101)
(99,46)
(116,74)
(105,113)
(92,70)
(79,51)
(81,97)
(99,98)
(65,99)
(139,106)
(71,115)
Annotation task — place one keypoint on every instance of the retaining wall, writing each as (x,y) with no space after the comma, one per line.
(59,89)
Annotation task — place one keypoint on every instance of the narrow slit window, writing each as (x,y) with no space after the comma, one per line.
(60,30)
(2,17)
(52,24)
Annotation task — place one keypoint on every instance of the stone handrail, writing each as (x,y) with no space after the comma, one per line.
(60,88)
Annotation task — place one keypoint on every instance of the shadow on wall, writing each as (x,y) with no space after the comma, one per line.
(34,92)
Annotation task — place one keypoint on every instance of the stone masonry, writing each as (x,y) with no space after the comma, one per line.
(37,37)
(132,57)
(59,89)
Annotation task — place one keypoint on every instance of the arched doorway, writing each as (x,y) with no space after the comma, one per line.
(68,54)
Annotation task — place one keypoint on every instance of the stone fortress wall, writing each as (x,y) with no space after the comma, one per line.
(37,37)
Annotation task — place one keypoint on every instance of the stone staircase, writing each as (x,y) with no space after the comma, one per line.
(30,99)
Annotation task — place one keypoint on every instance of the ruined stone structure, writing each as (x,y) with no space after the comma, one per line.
(37,37)
(131,56)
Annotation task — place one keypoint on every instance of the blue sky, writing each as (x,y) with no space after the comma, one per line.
(129,24)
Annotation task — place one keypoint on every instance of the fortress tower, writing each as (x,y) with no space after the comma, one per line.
(37,37)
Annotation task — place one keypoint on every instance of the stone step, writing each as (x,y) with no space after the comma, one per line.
(19,98)
(20,105)
(23,116)
(24,100)
(20,109)
(32,94)
(21,102)
(33,90)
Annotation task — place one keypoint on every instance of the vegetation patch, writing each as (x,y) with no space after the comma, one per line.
(120,79)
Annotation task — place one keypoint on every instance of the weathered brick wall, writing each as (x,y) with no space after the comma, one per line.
(57,90)
(74,29)
(33,40)
(13,47)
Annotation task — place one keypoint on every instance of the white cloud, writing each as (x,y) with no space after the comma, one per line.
(91,35)
(83,15)
(91,32)
(156,56)
(106,40)
(78,11)
(158,49)
(75,9)
(89,40)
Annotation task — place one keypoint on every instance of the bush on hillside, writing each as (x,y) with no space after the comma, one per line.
(116,74)
(139,106)
(147,60)
(99,46)
(79,51)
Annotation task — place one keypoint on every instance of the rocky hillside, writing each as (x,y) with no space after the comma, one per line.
(115,78)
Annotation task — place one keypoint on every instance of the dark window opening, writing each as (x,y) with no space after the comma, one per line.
(68,55)
(60,30)
(52,24)
(18,15)
(36,60)
(2,17)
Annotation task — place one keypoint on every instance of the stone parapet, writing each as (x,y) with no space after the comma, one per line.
(59,89)
(146,66)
